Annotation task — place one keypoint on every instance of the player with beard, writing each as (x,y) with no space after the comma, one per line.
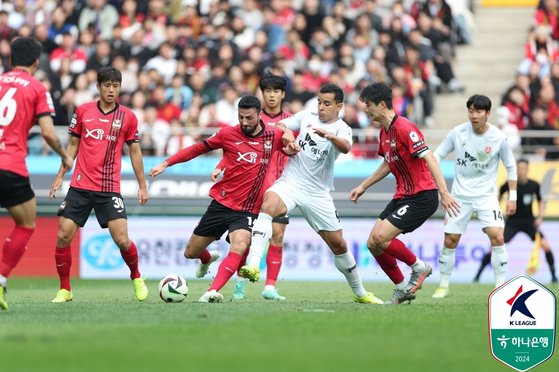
(248,149)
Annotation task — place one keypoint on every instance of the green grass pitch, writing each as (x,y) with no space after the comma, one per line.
(316,329)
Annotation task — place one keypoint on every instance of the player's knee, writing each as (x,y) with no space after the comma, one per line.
(377,242)
(123,243)
(338,247)
(63,238)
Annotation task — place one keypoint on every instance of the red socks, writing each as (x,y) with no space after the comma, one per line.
(389,265)
(398,250)
(205,257)
(227,268)
(273,264)
(130,256)
(63,257)
(243,261)
(14,248)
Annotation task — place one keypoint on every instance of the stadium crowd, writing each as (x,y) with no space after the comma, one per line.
(186,63)
(532,101)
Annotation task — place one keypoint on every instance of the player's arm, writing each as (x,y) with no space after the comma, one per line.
(182,156)
(340,143)
(510,164)
(71,151)
(450,205)
(138,166)
(382,171)
(218,169)
(49,134)
(445,147)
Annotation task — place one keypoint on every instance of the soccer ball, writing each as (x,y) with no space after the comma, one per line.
(173,288)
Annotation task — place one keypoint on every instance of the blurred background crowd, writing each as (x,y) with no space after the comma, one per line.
(185,63)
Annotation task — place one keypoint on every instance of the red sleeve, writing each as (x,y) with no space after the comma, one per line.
(189,153)
(76,124)
(45,105)
(132,135)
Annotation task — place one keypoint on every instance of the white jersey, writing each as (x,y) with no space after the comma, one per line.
(477,160)
(313,166)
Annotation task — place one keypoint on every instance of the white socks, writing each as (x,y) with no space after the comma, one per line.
(447,259)
(499,261)
(261,235)
(346,264)
(3,281)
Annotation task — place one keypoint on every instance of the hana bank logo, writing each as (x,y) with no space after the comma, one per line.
(101,252)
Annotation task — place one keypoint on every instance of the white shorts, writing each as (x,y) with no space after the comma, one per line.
(488,212)
(317,206)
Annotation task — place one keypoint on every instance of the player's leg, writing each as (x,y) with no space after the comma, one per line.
(454,227)
(446,261)
(278,200)
(239,290)
(274,259)
(239,241)
(210,228)
(510,232)
(15,244)
(544,243)
(345,263)
(74,212)
(490,216)
(67,229)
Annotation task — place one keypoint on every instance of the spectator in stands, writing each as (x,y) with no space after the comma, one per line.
(71,51)
(99,16)
(502,116)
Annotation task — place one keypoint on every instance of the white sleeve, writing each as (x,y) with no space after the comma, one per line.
(345,132)
(294,122)
(446,146)
(508,160)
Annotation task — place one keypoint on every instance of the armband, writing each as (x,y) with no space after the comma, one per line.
(512,195)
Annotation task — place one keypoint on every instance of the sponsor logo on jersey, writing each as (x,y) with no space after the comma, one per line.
(94,133)
(249,157)
(104,120)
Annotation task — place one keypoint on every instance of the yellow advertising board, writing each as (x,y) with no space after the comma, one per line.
(547,174)
(509,3)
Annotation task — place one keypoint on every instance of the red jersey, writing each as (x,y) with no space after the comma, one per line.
(102,136)
(279,159)
(400,145)
(248,159)
(23,99)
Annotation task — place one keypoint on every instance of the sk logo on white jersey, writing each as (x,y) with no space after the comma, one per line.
(249,157)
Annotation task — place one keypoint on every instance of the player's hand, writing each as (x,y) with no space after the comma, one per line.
(450,205)
(356,193)
(143,196)
(158,169)
(67,163)
(292,148)
(57,184)
(323,133)
(511,207)
(287,136)
(215,174)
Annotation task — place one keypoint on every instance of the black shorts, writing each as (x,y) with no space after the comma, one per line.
(78,203)
(218,219)
(281,219)
(14,189)
(511,229)
(410,212)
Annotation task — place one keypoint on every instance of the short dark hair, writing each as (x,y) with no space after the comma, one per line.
(333,88)
(269,81)
(108,73)
(248,102)
(377,93)
(479,102)
(522,160)
(25,51)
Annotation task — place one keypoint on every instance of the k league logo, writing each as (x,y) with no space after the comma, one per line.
(522,315)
